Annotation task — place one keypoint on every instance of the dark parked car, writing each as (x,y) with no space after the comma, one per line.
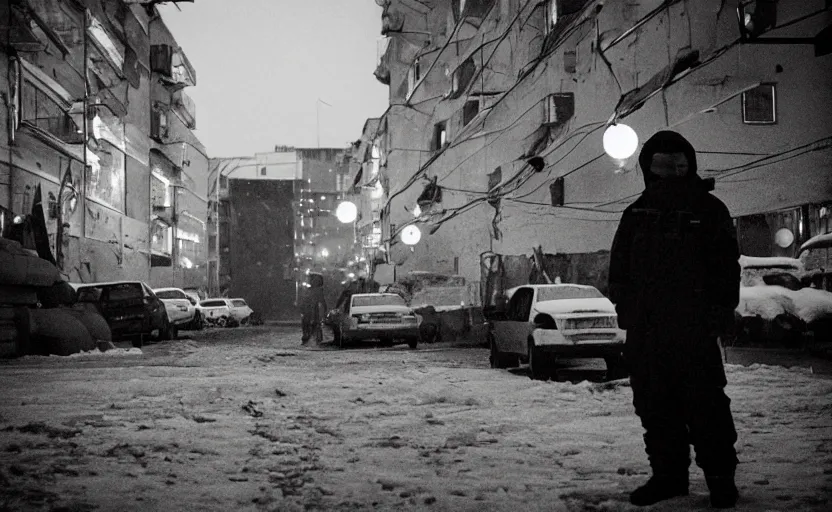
(131,309)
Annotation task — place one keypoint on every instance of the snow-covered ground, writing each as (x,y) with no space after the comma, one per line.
(244,419)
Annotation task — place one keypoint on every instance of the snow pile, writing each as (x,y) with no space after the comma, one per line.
(113,352)
(808,304)
(770,262)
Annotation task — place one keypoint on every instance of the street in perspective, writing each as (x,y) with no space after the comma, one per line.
(451,255)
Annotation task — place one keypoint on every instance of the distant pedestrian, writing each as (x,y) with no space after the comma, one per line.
(313,309)
(674,278)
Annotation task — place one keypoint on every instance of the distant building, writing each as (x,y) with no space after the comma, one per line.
(274,220)
(479,87)
(121,172)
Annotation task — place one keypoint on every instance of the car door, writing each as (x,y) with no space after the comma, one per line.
(511,333)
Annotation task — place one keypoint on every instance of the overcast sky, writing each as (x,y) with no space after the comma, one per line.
(261,66)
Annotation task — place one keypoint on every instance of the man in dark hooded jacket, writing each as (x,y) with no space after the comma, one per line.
(674,277)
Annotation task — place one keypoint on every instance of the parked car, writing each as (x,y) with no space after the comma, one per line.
(545,321)
(240,311)
(216,312)
(181,308)
(382,316)
(131,309)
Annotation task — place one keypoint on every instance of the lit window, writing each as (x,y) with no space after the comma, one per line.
(759,105)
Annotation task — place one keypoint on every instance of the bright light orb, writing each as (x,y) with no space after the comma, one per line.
(325,252)
(346,212)
(417,211)
(784,238)
(620,141)
(411,235)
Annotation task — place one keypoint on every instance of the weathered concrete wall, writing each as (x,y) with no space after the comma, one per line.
(261,245)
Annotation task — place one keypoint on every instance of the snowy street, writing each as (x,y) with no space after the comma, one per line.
(247,419)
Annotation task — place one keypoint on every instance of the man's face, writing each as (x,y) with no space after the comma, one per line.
(669,165)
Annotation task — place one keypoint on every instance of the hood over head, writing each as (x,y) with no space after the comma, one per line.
(667,141)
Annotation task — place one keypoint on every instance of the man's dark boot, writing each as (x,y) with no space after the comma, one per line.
(724,492)
(660,487)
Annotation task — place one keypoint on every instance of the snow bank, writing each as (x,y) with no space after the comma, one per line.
(809,304)
(770,262)
(113,352)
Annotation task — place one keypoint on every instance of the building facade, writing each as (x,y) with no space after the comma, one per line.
(493,139)
(79,81)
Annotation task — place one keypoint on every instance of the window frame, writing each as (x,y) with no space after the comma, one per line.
(743,100)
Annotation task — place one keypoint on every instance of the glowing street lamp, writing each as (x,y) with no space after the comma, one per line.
(620,141)
(417,211)
(346,212)
(411,235)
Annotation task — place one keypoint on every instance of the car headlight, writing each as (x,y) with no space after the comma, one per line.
(365,317)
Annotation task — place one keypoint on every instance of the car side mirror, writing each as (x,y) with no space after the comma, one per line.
(192,301)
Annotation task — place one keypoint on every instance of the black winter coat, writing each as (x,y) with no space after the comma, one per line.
(674,271)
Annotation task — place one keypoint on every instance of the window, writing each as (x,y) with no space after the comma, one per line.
(262,171)
(223,182)
(560,107)
(106,175)
(759,105)
(462,77)
(440,136)
(413,76)
(470,111)
(40,110)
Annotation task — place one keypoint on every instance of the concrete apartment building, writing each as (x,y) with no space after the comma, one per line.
(479,87)
(94,113)
(275,220)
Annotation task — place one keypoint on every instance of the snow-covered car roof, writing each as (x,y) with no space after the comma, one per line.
(107,283)
(511,291)
(770,262)
(823,241)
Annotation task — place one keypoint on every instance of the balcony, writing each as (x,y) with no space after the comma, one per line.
(185,107)
(107,53)
(172,65)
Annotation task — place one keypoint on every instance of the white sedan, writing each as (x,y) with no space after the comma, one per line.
(179,307)
(544,321)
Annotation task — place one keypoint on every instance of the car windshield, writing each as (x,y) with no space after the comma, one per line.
(378,300)
(170,294)
(212,303)
(567,292)
(239,303)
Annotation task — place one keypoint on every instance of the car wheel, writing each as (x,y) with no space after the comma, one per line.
(221,322)
(540,363)
(616,367)
(412,342)
(497,358)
